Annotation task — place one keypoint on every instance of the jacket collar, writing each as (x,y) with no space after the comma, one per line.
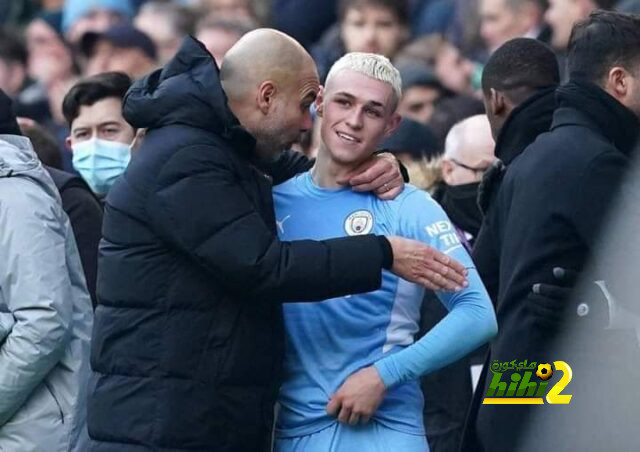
(528,120)
(586,104)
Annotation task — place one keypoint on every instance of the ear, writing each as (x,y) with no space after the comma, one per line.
(392,125)
(266,96)
(67,142)
(447,169)
(320,102)
(617,83)
(497,103)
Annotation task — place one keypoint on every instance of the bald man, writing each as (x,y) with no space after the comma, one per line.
(469,152)
(188,338)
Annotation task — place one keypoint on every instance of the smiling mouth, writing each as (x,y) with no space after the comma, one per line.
(347,137)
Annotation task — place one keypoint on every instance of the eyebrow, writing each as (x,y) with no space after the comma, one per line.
(102,124)
(371,103)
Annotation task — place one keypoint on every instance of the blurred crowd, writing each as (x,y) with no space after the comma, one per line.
(467,112)
(440,47)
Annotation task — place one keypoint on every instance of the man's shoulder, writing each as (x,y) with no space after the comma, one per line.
(288,187)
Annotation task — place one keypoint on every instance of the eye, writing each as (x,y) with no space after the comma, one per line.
(385,24)
(343,102)
(81,135)
(373,113)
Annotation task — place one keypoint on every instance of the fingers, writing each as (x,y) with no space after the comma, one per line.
(354,418)
(380,181)
(391,193)
(547,290)
(436,282)
(449,262)
(333,406)
(370,171)
(345,414)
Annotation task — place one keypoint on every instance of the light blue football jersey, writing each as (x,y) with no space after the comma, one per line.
(328,341)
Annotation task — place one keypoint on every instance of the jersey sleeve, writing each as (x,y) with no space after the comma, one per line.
(471,319)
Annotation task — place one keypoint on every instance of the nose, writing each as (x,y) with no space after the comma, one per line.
(354,120)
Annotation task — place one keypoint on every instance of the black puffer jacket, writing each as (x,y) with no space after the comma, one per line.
(188,333)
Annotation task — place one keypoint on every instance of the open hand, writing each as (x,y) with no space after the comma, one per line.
(380,174)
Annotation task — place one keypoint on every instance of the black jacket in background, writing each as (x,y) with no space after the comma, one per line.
(549,211)
(85,214)
(528,120)
(188,334)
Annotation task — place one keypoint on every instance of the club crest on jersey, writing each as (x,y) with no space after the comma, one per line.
(359,223)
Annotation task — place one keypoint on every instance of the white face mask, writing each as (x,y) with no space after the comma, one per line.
(100,162)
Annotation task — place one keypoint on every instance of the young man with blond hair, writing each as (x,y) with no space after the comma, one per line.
(352,360)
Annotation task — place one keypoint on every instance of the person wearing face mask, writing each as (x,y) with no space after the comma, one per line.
(469,152)
(100,138)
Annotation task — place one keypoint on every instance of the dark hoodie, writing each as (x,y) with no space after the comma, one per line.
(188,336)
(550,209)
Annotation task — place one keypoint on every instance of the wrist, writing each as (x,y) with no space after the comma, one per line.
(387,252)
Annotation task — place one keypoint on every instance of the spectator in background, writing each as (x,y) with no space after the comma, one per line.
(411,141)
(219,35)
(519,85)
(51,62)
(166,24)
(13,63)
(78,201)
(375,26)
(562,15)
(44,144)
(99,138)
(421,90)
(82,16)
(450,111)
(502,20)
(121,48)
(557,193)
(468,154)
(450,66)
(45,312)
(416,147)
(303,21)
(230,9)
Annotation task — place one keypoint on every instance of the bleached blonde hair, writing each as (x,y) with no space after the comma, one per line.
(372,65)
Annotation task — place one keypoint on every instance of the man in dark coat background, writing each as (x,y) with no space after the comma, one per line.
(551,206)
(188,336)
(519,84)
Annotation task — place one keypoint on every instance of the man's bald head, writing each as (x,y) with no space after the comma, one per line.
(270,81)
(470,141)
(469,149)
(260,55)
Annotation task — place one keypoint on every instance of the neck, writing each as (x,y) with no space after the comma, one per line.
(327,172)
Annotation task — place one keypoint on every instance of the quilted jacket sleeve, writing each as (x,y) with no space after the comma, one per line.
(201,208)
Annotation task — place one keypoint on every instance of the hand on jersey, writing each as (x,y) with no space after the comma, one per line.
(424,265)
(380,174)
(358,397)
